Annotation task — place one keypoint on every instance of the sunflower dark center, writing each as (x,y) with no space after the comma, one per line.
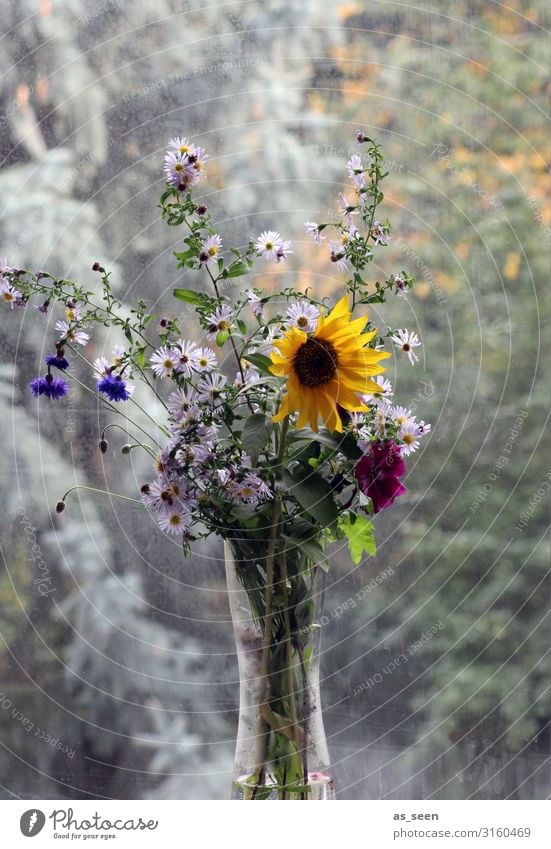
(315,362)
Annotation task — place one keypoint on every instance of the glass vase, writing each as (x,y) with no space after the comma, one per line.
(276,605)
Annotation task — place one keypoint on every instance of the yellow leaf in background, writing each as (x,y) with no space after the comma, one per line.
(512,265)
(476,67)
(346,10)
(422,290)
(462,250)
(514,163)
(446,281)
(462,154)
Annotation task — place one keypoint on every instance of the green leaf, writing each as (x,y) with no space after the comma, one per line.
(313,494)
(260,361)
(188,296)
(242,326)
(360,534)
(344,444)
(310,547)
(221,337)
(256,432)
(237,269)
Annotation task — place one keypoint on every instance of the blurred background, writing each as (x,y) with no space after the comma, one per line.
(117,673)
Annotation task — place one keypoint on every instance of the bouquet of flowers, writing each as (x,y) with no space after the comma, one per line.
(279,435)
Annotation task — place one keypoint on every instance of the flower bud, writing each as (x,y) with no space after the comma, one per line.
(103,445)
(60,507)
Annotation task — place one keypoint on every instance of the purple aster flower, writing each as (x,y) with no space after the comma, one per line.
(57,361)
(114,387)
(378,473)
(50,386)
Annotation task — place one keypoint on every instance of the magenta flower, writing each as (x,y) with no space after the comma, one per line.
(378,474)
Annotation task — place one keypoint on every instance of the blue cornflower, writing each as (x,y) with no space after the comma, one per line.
(114,387)
(57,361)
(51,387)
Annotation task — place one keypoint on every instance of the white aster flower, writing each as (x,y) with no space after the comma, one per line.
(313,229)
(188,356)
(407,341)
(283,251)
(402,416)
(378,234)
(210,387)
(268,244)
(174,521)
(8,293)
(219,321)
(409,437)
(255,303)
(78,337)
(101,364)
(210,249)
(180,145)
(304,316)
(356,170)
(181,399)
(206,360)
(164,361)
(386,391)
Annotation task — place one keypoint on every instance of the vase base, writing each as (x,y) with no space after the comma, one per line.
(320,788)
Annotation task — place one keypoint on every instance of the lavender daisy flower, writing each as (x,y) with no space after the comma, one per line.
(313,229)
(268,244)
(57,361)
(114,387)
(407,340)
(43,308)
(50,386)
(219,322)
(304,316)
(210,249)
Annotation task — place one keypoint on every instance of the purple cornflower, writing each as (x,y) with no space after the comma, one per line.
(114,387)
(57,361)
(50,386)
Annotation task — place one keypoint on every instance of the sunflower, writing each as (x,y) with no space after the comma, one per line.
(327,369)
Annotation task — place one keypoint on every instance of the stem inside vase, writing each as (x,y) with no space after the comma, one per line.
(275,597)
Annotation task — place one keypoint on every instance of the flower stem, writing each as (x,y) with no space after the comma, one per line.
(263,730)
